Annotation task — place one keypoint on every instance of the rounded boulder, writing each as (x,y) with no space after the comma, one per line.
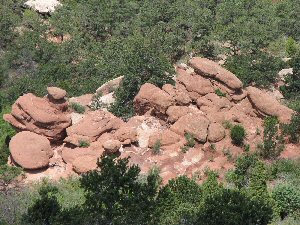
(30,150)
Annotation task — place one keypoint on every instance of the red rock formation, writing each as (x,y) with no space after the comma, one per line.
(30,150)
(38,115)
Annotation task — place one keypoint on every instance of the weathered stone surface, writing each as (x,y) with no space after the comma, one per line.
(193,123)
(84,164)
(213,102)
(92,126)
(112,146)
(30,150)
(269,105)
(216,132)
(166,137)
(39,116)
(110,86)
(56,93)
(194,83)
(69,155)
(212,69)
(83,100)
(175,112)
(129,130)
(151,97)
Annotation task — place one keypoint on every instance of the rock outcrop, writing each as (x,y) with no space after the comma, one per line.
(30,150)
(204,102)
(213,70)
(268,105)
(152,97)
(39,115)
(92,126)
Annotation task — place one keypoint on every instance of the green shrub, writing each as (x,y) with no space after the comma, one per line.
(142,62)
(220,93)
(156,147)
(287,198)
(292,130)
(240,176)
(83,144)
(272,144)
(227,124)
(291,88)
(232,207)
(190,139)
(184,149)
(8,173)
(259,69)
(228,154)
(237,134)
(77,107)
(291,47)
(46,209)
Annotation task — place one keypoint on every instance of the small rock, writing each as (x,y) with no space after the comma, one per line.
(216,132)
(56,93)
(112,146)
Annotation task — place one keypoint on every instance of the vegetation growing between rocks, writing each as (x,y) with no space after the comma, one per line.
(95,41)
(238,134)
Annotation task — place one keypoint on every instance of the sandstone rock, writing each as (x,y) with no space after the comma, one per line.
(151,97)
(69,155)
(56,93)
(112,146)
(194,83)
(94,124)
(211,69)
(216,132)
(110,86)
(193,123)
(170,89)
(129,130)
(85,164)
(83,100)
(240,95)
(39,116)
(148,127)
(30,150)
(213,102)
(175,112)
(166,137)
(269,105)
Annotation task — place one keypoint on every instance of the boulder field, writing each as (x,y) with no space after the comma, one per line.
(204,101)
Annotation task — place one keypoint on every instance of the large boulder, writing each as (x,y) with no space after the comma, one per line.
(38,115)
(194,83)
(216,132)
(151,97)
(212,69)
(92,126)
(268,105)
(30,150)
(194,123)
